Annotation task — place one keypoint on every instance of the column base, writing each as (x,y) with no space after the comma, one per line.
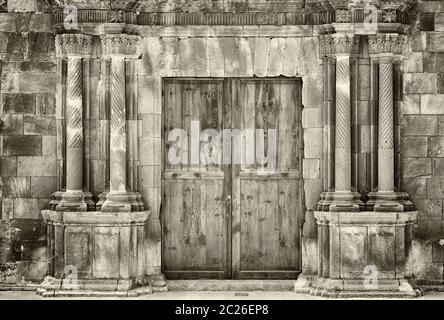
(122,201)
(74,201)
(389,202)
(340,202)
(350,288)
(56,198)
(102,200)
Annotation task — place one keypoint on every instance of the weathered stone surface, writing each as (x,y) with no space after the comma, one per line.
(45,103)
(432,104)
(416,187)
(43,187)
(39,125)
(413,63)
(8,166)
(420,83)
(415,147)
(435,188)
(37,82)
(22,145)
(435,41)
(436,147)
(11,124)
(18,103)
(417,167)
(36,167)
(420,125)
(429,209)
(29,208)
(41,46)
(16,187)
(412,104)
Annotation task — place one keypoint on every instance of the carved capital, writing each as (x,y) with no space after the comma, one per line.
(383,43)
(128,46)
(78,45)
(334,44)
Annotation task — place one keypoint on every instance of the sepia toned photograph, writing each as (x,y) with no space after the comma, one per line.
(244,152)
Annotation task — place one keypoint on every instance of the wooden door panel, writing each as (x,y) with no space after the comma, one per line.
(194,212)
(267,217)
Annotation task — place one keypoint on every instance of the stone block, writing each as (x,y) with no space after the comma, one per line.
(29,208)
(413,63)
(22,145)
(414,147)
(8,166)
(420,83)
(10,82)
(419,41)
(40,125)
(77,249)
(420,125)
(41,46)
(435,41)
(36,167)
(16,46)
(432,104)
(19,103)
(49,145)
(417,167)
(416,187)
(32,82)
(311,118)
(311,168)
(41,22)
(423,267)
(106,257)
(440,82)
(438,168)
(7,22)
(437,252)
(7,209)
(16,187)
(43,187)
(11,124)
(45,103)
(312,189)
(436,147)
(429,209)
(313,142)
(21,5)
(435,188)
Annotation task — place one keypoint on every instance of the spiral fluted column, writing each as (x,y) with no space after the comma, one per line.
(117,48)
(383,49)
(74,48)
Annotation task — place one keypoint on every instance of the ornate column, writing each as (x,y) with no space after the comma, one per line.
(383,49)
(74,48)
(117,48)
(342,47)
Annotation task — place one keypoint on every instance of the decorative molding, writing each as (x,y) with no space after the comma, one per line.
(343,16)
(125,45)
(73,45)
(386,43)
(334,44)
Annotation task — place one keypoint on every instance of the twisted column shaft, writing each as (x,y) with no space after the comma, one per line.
(74,125)
(118,126)
(386,130)
(343,130)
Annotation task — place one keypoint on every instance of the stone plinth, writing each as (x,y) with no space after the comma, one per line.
(95,251)
(362,254)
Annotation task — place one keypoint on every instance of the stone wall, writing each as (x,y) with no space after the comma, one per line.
(422,130)
(28,138)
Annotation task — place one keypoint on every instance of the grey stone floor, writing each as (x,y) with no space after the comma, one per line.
(193,295)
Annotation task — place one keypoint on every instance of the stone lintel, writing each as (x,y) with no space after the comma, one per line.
(73,45)
(121,45)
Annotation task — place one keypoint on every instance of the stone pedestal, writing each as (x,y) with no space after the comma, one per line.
(95,252)
(362,254)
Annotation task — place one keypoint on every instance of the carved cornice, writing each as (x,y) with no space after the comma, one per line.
(73,45)
(335,44)
(121,45)
(386,43)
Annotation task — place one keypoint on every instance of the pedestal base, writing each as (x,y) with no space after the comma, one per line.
(73,201)
(350,288)
(95,251)
(389,202)
(340,201)
(122,201)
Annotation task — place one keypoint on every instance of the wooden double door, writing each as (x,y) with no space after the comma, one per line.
(231,202)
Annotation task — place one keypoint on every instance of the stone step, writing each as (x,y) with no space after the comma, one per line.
(230,285)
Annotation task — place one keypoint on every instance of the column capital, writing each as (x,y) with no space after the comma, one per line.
(339,44)
(121,45)
(386,44)
(73,45)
